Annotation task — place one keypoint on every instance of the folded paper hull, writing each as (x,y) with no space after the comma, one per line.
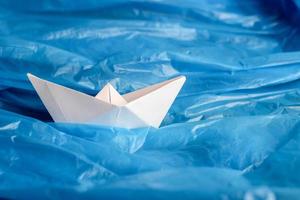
(145,107)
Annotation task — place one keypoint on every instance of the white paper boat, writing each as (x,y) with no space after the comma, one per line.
(141,108)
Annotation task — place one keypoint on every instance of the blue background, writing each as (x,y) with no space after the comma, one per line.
(232,133)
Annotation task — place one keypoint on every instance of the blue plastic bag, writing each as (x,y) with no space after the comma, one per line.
(232,132)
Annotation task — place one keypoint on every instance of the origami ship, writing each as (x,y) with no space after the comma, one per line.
(142,108)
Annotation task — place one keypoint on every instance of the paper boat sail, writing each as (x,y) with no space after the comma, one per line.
(141,108)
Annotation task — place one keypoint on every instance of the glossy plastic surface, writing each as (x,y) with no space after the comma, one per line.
(232,133)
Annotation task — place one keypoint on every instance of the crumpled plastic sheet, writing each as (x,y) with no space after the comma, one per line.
(232,133)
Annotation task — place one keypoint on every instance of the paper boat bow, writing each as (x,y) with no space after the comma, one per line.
(141,108)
